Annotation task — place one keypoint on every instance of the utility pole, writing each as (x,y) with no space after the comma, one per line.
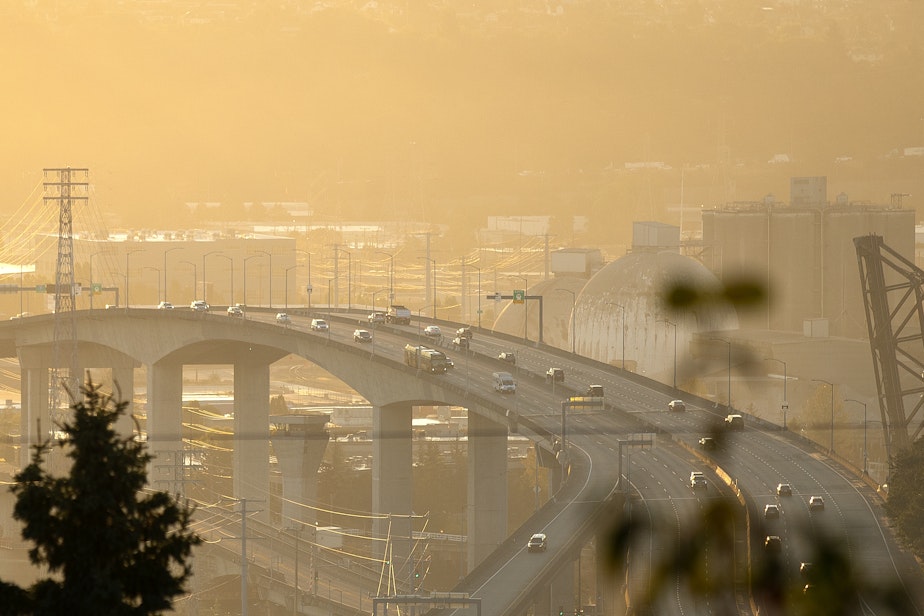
(62,189)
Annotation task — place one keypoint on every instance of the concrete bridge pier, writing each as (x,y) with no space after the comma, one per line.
(561,591)
(251,430)
(299,442)
(392,482)
(34,421)
(487,486)
(164,425)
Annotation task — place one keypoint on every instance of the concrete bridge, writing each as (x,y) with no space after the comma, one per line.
(112,343)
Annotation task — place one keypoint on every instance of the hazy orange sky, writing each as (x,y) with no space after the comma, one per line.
(344,105)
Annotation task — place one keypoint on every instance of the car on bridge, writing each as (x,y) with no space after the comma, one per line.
(771,511)
(554,375)
(783,489)
(816,503)
(676,405)
(707,443)
(376,317)
(362,336)
(433,331)
(165,306)
(537,543)
(460,342)
(319,325)
(235,311)
(773,544)
(199,305)
(283,318)
(507,356)
(464,332)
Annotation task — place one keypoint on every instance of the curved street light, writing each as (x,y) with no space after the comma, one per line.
(573,303)
(165,268)
(195,276)
(831,385)
(391,275)
(231,262)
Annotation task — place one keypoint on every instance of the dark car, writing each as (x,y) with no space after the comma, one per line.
(464,332)
(773,544)
(783,489)
(555,375)
(460,343)
(707,443)
(362,335)
(507,356)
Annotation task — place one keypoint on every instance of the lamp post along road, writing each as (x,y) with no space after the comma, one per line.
(246,259)
(288,269)
(728,342)
(127,255)
(784,406)
(391,275)
(573,303)
(831,385)
(165,270)
(204,283)
(195,276)
(865,456)
(674,325)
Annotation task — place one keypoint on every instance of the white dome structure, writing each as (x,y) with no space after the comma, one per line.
(621,317)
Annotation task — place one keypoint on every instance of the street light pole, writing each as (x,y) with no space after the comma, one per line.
(865,456)
(728,342)
(785,405)
(831,385)
(165,269)
(623,309)
(669,322)
(195,276)
(156,269)
(91,282)
(270,277)
(525,306)
(231,262)
(291,267)
(479,294)
(211,252)
(308,288)
(127,254)
(433,282)
(391,275)
(246,259)
(573,303)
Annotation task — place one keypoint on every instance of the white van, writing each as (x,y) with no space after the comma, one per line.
(504,383)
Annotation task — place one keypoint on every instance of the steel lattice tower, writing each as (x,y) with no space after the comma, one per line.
(62,188)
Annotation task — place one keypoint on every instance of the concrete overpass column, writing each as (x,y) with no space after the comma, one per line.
(165,425)
(123,384)
(251,431)
(562,591)
(33,373)
(299,442)
(487,486)
(392,481)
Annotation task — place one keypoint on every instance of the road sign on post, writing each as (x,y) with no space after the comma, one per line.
(519,296)
(497,297)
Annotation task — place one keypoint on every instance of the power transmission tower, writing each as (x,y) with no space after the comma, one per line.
(63,187)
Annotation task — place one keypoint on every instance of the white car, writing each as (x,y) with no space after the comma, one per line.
(319,325)
(235,311)
(165,306)
(771,511)
(536,543)
(199,306)
(432,331)
(283,318)
(362,335)
(676,405)
(816,503)
(377,317)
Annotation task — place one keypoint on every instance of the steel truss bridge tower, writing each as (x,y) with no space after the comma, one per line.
(63,187)
(893,296)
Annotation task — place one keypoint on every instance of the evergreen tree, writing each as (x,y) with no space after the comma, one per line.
(905,504)
(110,546)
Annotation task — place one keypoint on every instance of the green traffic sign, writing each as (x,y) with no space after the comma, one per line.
(519,295)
